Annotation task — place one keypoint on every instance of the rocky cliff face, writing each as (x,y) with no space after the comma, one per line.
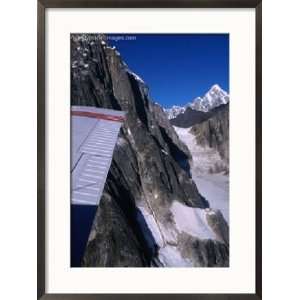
(135,224)
(214,133)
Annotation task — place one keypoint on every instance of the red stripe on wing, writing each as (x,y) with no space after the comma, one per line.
(97,116)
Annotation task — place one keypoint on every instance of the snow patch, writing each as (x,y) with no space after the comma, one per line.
(215,188)
(191,221)
(137,77)
(171,257)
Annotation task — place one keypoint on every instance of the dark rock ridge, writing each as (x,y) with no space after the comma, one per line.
(191,116)
(149,171)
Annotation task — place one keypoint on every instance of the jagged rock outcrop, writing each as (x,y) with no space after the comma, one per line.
(165,123)
(134,225)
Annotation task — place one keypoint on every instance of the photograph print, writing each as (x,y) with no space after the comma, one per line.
(149,150)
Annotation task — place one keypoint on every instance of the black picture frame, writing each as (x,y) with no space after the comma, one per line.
(41,106)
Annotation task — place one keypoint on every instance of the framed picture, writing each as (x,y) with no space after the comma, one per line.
(149,149)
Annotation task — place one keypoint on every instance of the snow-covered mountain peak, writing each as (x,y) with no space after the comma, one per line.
(216,92)
(216,87)
(215,97)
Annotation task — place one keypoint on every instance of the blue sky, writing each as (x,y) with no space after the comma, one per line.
(177,68)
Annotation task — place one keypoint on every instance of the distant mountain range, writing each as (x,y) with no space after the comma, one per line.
(191,116)
(215,97)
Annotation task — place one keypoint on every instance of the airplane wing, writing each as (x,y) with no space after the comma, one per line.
(94,135)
